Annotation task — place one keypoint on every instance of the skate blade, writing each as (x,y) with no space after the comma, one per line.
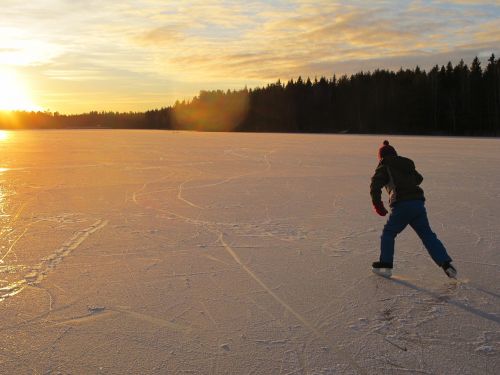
(451,274)
(384,272)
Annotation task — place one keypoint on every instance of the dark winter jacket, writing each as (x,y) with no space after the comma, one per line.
(400,178)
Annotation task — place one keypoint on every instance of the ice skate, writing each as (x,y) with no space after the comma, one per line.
(449,270)
(382,269)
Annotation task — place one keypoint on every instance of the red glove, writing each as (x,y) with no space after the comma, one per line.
(380,209)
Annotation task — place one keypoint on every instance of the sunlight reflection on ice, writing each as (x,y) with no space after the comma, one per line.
(4,135)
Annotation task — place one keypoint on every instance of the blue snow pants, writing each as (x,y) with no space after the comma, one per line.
(412,213)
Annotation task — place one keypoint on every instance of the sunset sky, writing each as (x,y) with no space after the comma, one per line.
(74,56)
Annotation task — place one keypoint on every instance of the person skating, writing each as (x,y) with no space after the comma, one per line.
(406,200)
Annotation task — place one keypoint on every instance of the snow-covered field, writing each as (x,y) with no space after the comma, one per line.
(143,252)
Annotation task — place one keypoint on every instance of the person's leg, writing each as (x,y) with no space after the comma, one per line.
(398,220)
(433,245)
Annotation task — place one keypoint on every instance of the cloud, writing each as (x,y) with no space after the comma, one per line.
(284,41)
(469,2)
(161,35)
(157,47)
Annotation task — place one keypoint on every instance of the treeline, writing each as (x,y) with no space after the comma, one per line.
(453,100)
(49,120)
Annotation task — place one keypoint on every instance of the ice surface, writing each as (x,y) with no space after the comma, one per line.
(149,252)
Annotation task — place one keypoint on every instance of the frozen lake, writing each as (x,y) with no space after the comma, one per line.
(150,252)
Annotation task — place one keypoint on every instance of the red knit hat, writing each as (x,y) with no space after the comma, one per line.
(386,150)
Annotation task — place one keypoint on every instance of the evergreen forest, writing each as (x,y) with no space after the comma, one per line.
(446,100)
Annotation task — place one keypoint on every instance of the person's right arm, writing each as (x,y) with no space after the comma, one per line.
(379,180)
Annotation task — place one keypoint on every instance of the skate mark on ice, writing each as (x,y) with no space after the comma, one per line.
(236,177)
(181,198)
(290,364)
(142,191)
(481,263)
(270,229)
(479,289)
(91,317)
(488,343)
(397,367)
(392,276)
(51,261)
(341,246)
(11,224)
(346,356)
(221,182)
(243,156)
(399,346)
(14,244)
(207,312)
(473,310)
(268,343)
(13,268)
(154,321)
(98,313)
(40,271)
(181,188)
(12,289)
(215,259)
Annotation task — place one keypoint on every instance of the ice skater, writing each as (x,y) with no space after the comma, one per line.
(406,200)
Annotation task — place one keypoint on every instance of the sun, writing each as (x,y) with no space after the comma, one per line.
(14,95)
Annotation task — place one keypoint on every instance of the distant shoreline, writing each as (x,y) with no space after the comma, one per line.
(381,135)
(446,101)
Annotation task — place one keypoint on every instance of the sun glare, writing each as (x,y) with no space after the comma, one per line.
(14,94)
(4,135)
